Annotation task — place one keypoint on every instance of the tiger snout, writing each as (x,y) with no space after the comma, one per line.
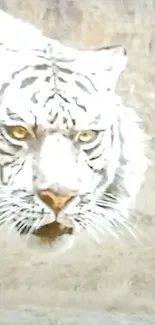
(60,176)
(55,201)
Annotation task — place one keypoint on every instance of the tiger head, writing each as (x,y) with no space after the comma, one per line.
(65,150)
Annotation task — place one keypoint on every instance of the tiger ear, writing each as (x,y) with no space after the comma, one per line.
(103,65)
(108,64)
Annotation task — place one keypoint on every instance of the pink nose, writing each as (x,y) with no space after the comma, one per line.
(54,200)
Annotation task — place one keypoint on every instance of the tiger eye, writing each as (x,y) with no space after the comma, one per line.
(18,132)
(87,136)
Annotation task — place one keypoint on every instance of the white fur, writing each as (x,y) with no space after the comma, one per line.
(54,162)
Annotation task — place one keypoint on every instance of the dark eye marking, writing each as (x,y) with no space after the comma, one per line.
(6,153)
(13,116)
(8,141)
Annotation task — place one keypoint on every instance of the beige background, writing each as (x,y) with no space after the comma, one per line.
(117,276)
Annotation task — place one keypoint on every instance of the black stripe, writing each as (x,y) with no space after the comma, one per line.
(48,99)
(35,67)
(13,116)
(90,151)
(109,47)
(64,70)
(4,86)
(96,119)
(54,118)
(18,71)
(61,79)
(65,60)
(64,120)
(48,79)
(28,81)
(2,171)
(15,146)
(72,119)
(93,158)
(20,167)
(64,98)
(82,87)
(40,51)
(33,97)
(12,167)
(90,81)
(42,66)
(79,105)
(3,152)
(34,125)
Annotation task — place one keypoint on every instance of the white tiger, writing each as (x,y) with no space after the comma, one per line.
(69,150)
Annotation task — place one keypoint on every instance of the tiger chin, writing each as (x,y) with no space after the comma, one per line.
(72,156)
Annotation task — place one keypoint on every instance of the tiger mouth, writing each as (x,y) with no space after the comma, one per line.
(53,230)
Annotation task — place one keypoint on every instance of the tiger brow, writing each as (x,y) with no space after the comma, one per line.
(15,117)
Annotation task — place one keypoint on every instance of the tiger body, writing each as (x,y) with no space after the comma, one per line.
(57,94)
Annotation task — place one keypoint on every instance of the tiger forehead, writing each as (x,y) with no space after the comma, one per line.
(58,73)
(45,104)
(53,92)
(43,81)
(55,112)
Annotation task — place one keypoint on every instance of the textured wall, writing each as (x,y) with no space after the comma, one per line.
(99,22)
(116,276)
(91,21)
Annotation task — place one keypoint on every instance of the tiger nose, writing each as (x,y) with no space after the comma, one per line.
(54,200)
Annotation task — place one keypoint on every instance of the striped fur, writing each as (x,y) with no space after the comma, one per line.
(56,92)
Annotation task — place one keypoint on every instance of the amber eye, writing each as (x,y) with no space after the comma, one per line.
(87,136)
(18,132)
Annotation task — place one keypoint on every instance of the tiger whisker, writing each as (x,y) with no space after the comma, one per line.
(98,223)
(93,228)
(87,224)
(16,208)
(108,205)
(21,227)
(37,224)
(10,204)
(14,223)
(106,226)
(76,225)
(92,232)
(5,218)
(106,194)
(126,226)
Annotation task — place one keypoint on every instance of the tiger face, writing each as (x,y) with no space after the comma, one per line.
(69,150)
(52,140)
